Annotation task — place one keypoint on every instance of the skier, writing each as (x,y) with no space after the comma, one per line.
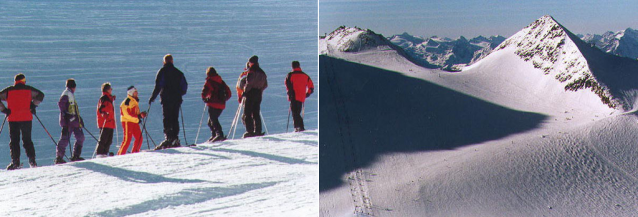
(71,122)
(130,117)
(105,120)
(299,86)
(22,101)
(251,85)
(215,94)
(171,85)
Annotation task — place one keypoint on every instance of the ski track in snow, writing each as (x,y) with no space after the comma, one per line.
(274,175)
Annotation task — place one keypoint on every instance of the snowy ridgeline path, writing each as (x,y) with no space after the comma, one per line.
(275,175)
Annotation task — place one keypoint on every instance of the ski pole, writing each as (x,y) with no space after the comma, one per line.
(183,127)
(45,130)
(117,134)
(87,130)
(148,136)
(98,142)
(264,122)
(288,122)
(200,123)
(243,101)
(5,120)
(144,126)
(232,124)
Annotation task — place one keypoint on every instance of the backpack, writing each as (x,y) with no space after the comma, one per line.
(222,95)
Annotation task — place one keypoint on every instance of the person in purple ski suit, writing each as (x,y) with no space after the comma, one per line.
(71,122)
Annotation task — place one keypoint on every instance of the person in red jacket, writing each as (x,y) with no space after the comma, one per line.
(299,87)
(21,100)
(215,94)
(105,120)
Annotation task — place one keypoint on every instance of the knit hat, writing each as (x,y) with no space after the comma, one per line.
(253,59)
(211,71)
(70,83)
(130,90)
(19,77)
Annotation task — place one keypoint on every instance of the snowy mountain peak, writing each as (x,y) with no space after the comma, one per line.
(551,48)
(354,39)
(406,40)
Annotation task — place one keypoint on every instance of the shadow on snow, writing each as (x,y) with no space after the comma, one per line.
(185,197)
(130,175)
(366,112)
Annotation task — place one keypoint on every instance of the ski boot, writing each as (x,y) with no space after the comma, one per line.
(163,145)
(76,158)
(14,165)
(32,163)
(248,135)
(210,140)
(59,160)
(175,144)
(259,134)
(299,129)
(219,138)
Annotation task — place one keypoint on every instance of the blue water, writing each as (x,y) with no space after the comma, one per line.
(123,42)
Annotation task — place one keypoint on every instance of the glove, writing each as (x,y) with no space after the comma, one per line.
(143,114)
(6,111)
(150,100)
(81,122)
(308,95)
(113,97)
(207,99)
(32,107)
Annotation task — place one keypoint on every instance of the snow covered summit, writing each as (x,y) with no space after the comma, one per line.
(560,54)
(348,41)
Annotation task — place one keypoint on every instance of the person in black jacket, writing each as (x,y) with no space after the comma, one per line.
(171,85)
(253,88)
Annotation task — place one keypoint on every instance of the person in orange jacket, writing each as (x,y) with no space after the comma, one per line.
(130,117)
(299,87)
(215,94)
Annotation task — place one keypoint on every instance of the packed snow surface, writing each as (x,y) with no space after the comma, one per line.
(503,137)
(274,175)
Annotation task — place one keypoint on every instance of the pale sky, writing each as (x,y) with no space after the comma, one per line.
(454,18)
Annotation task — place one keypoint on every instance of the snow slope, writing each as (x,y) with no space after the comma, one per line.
(274,175)
(504,137)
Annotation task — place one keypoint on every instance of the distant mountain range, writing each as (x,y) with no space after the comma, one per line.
(446,53)
(454,54)
(622,43)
